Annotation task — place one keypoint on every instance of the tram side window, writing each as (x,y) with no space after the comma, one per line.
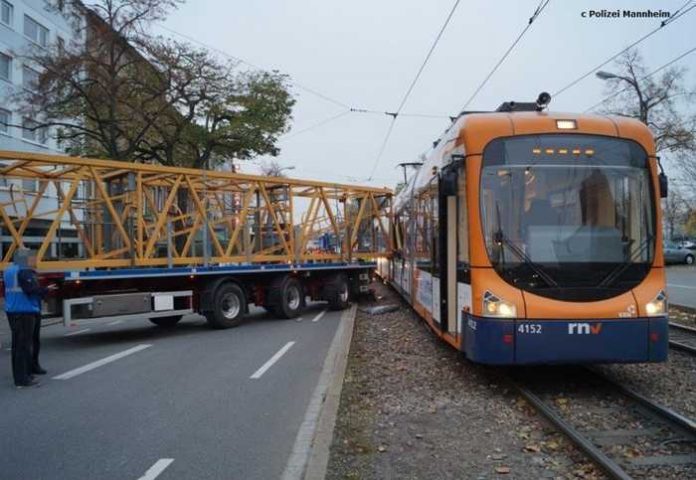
(462,220)
(434,238)
(423,236)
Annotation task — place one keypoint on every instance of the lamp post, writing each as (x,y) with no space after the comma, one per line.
(643,104)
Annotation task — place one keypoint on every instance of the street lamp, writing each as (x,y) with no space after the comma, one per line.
(606,75)
(643,116)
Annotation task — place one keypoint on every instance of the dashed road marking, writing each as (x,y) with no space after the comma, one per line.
(155,470)
(117,322)
(91,366)
(318,317)
(77,332)
(258,373)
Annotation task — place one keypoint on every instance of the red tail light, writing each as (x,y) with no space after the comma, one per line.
(507,339)
(654,337)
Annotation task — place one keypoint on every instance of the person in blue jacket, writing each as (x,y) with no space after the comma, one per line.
(23,296)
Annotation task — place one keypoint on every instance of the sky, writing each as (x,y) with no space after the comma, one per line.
(365,53)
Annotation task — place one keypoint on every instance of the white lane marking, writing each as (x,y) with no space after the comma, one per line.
(318,317)
(257,374)
(91,366)
(115,323)
(298,319)
(681,286)
(155,470)
(77,332)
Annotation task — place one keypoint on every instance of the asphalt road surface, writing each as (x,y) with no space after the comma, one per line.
(681,285)
(134,401)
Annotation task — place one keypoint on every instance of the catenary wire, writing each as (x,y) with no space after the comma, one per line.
(536,14)
(668,64)
(641,39)
(410,89)
(318,124)
(256,67)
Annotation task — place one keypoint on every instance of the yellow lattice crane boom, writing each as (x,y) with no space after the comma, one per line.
(128,214)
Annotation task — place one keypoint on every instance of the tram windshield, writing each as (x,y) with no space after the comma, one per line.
(568,216)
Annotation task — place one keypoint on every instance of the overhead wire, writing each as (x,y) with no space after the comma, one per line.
(256,67)
(613,57)
(396,114)
(658,70)
(316,125)
(540,8)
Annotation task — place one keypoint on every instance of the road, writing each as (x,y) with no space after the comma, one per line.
(681,285)
(212,400)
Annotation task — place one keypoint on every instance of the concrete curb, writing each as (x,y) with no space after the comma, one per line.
(310,455)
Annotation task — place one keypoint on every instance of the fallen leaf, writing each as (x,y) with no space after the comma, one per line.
(502,470)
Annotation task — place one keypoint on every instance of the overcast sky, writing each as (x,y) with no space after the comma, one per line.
(365,53)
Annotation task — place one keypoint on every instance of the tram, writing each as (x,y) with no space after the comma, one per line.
(531,237)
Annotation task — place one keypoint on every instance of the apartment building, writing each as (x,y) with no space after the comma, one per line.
(26,24)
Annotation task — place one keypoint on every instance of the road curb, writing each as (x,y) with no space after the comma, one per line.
(310,455)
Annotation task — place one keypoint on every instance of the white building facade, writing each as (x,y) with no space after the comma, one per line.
(27,24)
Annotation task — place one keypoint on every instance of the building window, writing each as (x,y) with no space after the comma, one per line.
(5,120)
(32,132)
(6,13)
(34,31)
(5,67)
(30,79)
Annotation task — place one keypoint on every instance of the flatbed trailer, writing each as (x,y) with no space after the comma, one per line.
(125,240)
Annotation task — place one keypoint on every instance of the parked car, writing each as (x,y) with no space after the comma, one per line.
(676,254)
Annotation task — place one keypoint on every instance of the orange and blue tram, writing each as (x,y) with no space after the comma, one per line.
(530,237)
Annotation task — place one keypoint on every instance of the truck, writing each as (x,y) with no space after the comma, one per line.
(126,240)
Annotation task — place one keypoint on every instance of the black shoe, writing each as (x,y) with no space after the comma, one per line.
(38,371)
(30,383)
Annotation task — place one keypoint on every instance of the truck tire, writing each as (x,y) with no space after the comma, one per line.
(229,305)
(287,297)
(337,293)
(166,322)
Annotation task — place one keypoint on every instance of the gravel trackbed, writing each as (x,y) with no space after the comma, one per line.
(413,408)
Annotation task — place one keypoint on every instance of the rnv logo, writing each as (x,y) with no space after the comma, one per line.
(584,329)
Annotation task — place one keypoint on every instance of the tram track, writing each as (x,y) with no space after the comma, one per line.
(625,433)
(682,338)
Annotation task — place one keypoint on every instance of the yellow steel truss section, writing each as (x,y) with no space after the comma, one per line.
(81,213)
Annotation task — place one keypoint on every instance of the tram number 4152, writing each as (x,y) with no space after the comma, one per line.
(532,328)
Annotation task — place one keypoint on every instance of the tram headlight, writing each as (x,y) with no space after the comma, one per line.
(657,306)
(494,306)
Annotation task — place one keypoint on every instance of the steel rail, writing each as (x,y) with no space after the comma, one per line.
(663,414)
(683,332)
(585,444)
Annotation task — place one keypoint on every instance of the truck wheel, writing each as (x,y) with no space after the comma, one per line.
(288,298)
(229,305)
(337,293)
(166,322)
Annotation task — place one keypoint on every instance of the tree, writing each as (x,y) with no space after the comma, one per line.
(675,210)
(274,169)
(150,99)
(657,101)
(99,91)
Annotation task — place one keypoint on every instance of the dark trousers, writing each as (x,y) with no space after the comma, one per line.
(22,326)
(36,343)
